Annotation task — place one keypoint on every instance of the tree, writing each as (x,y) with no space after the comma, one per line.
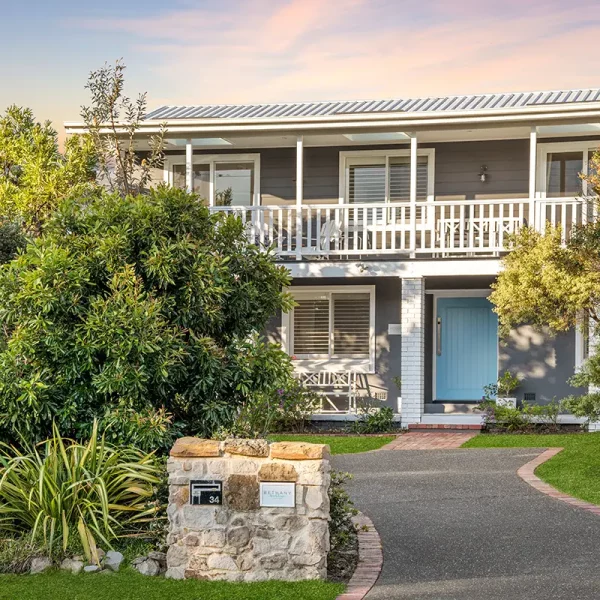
(34,175)
(547,283)
(112,122)
(133,303)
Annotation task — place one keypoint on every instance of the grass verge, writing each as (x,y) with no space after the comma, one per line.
(575,470)
(129,585)
(339,444)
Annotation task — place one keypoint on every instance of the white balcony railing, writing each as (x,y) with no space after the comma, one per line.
(439,229)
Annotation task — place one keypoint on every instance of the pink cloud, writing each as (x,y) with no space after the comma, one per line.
(311,50)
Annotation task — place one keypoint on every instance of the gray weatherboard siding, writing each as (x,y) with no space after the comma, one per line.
(545,362)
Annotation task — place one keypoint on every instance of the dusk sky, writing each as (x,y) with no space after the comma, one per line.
(231,51)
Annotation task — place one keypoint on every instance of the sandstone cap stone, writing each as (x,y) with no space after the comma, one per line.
(190,447)
(247,447)
(299,451)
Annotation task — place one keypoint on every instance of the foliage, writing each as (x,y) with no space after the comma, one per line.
(507,384)
(61,488)
(130,585)
(286,408)
(112,121)
(12,239)
(586,406)
(34,175)
(136,303)
(148,429)
(17,553)
(373,418)
(342,534)
(544,283)
(524,418)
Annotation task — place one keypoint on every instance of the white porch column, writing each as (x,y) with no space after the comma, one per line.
(299,193)
(413,350)
(532,174)
(413,194)
(189,166)
(593,348)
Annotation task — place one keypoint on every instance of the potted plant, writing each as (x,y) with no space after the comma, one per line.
(506,385)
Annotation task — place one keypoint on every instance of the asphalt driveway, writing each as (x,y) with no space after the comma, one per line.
(460,524)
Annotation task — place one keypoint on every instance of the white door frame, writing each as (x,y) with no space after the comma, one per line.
(461,293)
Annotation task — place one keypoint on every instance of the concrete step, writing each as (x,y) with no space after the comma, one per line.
(450,408)
(444,427)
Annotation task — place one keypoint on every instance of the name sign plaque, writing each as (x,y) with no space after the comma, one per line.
(206,492)
(282,495)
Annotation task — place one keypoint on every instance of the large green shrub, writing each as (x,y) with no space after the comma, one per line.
(136,303)
(62,489)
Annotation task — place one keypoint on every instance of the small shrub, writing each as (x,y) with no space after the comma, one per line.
(507,384)
(342,557)
(525,418)
(61,489)
(586,406)
(287,409)
(373,419)
(16,554)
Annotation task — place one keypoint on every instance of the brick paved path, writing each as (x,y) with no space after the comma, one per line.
(429,441)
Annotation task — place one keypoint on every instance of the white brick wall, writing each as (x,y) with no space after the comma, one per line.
(413,349)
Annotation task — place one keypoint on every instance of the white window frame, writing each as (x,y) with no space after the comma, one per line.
(349,157)
(587,147)
(212,160)
(334,365)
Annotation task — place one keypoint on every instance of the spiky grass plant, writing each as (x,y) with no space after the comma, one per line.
(62,486)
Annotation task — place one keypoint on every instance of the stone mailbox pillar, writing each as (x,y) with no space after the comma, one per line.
(246,510)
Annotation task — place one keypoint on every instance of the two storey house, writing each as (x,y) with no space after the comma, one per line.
(392,216)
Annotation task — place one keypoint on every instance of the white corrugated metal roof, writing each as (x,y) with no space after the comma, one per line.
(411,105)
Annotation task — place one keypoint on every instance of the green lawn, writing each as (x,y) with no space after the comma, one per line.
(129,585)
(575,470)
(339,444)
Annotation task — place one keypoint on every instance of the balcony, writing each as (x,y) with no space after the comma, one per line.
(439,229)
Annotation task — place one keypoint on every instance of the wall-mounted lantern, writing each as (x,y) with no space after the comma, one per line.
(483,174)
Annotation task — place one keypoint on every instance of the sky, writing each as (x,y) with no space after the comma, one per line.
(245,51)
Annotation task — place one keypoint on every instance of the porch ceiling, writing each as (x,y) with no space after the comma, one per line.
(231,141)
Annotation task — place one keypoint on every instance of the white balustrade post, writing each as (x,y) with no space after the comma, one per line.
(189,166)
(413,349)
(532,174)
(299,194)
(413,194)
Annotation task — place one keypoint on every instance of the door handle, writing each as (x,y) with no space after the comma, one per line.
(438,343)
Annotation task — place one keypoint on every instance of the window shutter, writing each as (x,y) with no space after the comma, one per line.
(351,324)
(400,178)
(311,327)
(366,183)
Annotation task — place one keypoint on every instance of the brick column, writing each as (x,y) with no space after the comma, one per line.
(413,349)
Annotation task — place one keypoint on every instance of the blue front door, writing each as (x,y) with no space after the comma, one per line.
(466,348)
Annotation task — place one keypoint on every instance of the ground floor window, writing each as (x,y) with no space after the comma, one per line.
(334,323)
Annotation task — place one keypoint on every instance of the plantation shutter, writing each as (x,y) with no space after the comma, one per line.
(311,327)
(351,325)
(366,183)
(400,178)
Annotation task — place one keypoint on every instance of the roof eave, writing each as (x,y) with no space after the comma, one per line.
(397,119)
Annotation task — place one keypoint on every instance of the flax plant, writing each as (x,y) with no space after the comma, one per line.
(61,488)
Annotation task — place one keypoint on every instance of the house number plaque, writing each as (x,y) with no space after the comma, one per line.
(206,492)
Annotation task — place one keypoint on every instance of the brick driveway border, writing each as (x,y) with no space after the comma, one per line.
(370,560)
(527,474)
